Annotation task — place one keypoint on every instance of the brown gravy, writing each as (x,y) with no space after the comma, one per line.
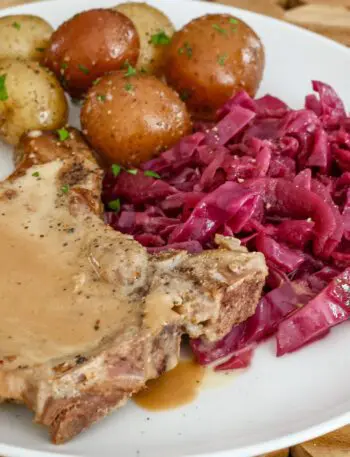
(173,389)
(51,304)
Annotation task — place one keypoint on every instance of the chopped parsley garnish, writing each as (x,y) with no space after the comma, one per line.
(130,70)
(232,20)
(132,171)
(36,174)
(184,95)
(63,134)
(96,81)
(160,38)
(128,87)
(143,70)
(116,169)
(219,29)
(16,26)
(64,65)
(40,49)
(222,59)
(186,49)
(101,98)
(85,70)
(152,174)
(65,189)
(3,90)
(114,205)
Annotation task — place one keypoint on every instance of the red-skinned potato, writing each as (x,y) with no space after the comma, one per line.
(155,31)
(89,45)
(205,75)
(130,119)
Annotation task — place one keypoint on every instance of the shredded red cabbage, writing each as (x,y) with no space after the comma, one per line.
(278,179)
(330,307)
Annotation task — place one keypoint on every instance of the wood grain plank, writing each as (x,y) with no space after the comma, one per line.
(335,444)
(331,21)
(8,3)
(281,453)
(266,7)
(328,2)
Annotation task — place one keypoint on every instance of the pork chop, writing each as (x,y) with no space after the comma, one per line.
(87,315)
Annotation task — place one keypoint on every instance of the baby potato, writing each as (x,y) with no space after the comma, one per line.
(155,31)
(30,99)
(23,36)
(207,75)
(130,119)
(89,45)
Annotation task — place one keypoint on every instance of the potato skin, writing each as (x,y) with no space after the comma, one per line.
(129,120)
(89,45)
(148,22)
(23,36)
(35,100)
(206,76)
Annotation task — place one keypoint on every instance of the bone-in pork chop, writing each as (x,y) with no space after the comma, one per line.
(87,316)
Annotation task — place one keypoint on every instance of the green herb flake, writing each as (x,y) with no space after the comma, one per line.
(64,65)
(143,70)
(219,29)
(3,90)
(130,70)
(96,81)
(116,169)
(232,20)
(152,174)
(222,59)
(184,95)
(36,174)
(101,98)
(16,25)
(65,189)
(114,205)
(40,49)
(63,134)
(186,49)
(128,87)
(132,171)
(85,70)
(160,38)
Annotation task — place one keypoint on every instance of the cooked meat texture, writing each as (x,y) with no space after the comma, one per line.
(38,147)
(87,315)
(212,291)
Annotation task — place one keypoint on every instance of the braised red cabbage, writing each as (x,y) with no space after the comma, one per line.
(329,308)
(276,178)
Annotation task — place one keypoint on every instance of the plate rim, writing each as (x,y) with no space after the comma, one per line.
(246,451)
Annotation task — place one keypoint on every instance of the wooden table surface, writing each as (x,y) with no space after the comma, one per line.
(330,18)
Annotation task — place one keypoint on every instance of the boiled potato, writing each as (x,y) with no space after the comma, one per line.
(30,98)
(23,36)
(155,31)
(89,45)
(130,119)
(207,75)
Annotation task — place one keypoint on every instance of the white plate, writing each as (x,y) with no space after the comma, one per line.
(277,402)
